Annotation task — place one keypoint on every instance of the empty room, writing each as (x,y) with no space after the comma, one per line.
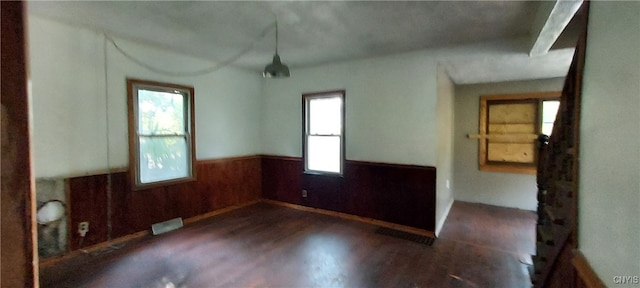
(320,144)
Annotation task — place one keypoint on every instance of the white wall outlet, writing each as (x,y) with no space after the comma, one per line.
(448,184)
(304,193)
(83,228)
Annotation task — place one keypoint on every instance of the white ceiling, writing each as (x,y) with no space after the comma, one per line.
(318,32)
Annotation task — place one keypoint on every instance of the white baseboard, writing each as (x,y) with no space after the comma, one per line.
(440,223)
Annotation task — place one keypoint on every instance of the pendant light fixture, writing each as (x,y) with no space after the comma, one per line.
(276,69)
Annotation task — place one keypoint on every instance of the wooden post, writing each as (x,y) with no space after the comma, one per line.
(541,178)
(18,258)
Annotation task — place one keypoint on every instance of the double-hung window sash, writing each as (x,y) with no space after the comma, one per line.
(323,133)
(163,137)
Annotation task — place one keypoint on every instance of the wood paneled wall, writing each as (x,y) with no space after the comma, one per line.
(220,183)
(402,194)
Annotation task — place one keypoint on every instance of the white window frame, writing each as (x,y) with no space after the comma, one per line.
(133,86)
(306,98)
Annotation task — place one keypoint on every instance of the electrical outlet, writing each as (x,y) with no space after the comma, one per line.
(304,193)
(83,228)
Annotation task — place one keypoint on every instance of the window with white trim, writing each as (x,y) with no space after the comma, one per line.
(161,133)
(323,145)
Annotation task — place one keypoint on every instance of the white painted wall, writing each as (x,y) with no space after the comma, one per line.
(67,66)
(495,188)
(390,108)
(68,99)
(444,172)
(609,199)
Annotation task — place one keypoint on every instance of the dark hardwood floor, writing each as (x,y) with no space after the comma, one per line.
(264,245)
(491,227)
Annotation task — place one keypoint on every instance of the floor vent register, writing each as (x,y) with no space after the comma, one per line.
(420,239)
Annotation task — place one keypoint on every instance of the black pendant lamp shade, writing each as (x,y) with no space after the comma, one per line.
(276,69)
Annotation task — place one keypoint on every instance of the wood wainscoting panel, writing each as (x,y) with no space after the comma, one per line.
(88,195)
(282,179)
(229,181)
(326,192)
(401,194)
(120,201)
(220,183)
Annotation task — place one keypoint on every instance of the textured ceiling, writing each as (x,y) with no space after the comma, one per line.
(314,33)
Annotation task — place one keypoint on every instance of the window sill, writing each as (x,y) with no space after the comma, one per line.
(162,184)
(509,169)
(327,174)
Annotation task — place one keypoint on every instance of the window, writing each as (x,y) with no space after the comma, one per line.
(549,111)
(323,146)
(509,127)
(161,133)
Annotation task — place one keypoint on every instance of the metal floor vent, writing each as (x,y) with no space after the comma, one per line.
(420,239)
(166,226)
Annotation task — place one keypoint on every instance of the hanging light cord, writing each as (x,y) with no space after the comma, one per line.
(204,71)
(276,36)
(109,179)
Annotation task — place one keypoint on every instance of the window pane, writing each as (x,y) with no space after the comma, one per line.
(549,111)
(324,116)
(160,113)
(323,153)
(163,158)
